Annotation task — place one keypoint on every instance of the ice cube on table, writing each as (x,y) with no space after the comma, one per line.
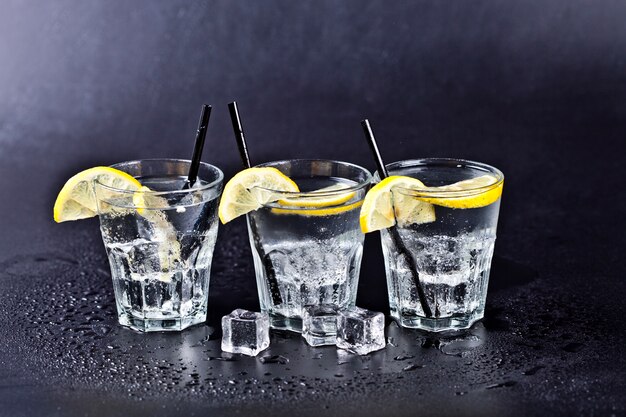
(245,332)
(360,331)
(319,324)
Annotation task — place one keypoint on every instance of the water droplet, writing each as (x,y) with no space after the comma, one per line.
(456,347)
(224,358)
(274,359)
(403,357)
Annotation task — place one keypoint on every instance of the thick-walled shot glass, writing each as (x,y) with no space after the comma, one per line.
(442,284)
(160,242)
(307,245)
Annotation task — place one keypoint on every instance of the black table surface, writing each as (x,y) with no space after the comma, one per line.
(537,89)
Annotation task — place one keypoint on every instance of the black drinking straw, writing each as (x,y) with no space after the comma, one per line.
(192,176)
(393,231)
(238,129)
(270,272)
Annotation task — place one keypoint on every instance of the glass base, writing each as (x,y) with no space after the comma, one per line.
(292,324)
(160,325)
(441,324)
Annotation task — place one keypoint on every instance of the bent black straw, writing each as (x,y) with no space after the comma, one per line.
(393,231)
(270,272)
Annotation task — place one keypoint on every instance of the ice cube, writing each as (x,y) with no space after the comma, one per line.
(319,324)
(245,332)
(360,331)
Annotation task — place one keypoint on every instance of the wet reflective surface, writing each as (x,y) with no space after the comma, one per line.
(537,89)
(61,343)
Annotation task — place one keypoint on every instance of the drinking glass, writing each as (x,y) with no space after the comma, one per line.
(442,283)
(159,241)
(307,245)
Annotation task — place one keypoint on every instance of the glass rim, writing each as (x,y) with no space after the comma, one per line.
(208,186)
(315,194)
(450,163)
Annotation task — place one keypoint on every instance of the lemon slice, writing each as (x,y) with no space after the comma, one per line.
(250,189)
(319,212)
(328,197)
(378,207)
(381,210)
(473,193)
(145,200)
(151,207)
(77,199)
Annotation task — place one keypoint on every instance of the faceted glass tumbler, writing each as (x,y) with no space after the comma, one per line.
(438,271)
(159,242)
(307,246)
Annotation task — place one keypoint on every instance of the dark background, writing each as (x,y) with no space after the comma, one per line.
(536,88)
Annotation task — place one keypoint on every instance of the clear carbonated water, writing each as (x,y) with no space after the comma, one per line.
(161,258)
(306,260)
(453,259)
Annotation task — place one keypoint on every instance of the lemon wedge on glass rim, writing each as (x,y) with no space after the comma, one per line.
(467,194)
(250,189)
(326,201)
(253,188)
(77,199)
(328,196)
(382,209)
